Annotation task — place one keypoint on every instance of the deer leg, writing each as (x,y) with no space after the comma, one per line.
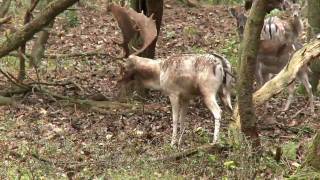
(211,103)
(305,81)
(174,99)
(290,97)
(182,114)
(259,77)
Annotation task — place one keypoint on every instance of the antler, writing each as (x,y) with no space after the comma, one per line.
(132,23)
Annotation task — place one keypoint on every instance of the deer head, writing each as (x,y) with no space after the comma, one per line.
(241,21)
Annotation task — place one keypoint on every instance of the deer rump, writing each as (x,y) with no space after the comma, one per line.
(132,24)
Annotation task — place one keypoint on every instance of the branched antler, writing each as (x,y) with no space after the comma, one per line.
(132,23)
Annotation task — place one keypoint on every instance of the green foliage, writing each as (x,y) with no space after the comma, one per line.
(231,50)
(223,1)
(217,1)
(71,18)
(289,150)
(190,31)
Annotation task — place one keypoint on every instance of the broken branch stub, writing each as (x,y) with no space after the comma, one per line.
(132,23)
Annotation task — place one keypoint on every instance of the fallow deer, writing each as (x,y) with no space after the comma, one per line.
(272,57)
(182,77)
(284,30)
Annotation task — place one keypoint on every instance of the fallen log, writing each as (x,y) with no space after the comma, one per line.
(4,101)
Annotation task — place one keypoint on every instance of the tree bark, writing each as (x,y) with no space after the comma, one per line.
(27,18)
(4,8)
(314,21)
(313,156)
(42,20)
(246,118)
(38,49)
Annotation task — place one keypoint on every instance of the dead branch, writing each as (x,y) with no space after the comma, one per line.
(4,101)
(25,33)
(208,148)
(309,52)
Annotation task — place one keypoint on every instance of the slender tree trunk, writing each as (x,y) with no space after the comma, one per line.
(4,8)
(314,21)
(22,51)
(42,20)
(246,118)
(38,49)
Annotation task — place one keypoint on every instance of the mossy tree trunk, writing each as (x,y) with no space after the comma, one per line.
(245,113)
(313,156)
(314,21)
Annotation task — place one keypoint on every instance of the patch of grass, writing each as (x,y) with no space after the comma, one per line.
(289,150)
(223,1)
(190,31)
(197,50)
(231,50)
(10,62)
(72,19)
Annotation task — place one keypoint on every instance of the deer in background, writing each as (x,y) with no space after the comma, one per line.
(284,30)
(274,53)
(182,77)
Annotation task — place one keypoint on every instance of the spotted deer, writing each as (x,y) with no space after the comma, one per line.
(273,54)
(182,77)
(284,30)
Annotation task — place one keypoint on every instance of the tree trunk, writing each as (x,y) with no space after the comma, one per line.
(38,49)
(314,21)
(246,117)
(313,156)
(4,8)
(43,19)
(22,52)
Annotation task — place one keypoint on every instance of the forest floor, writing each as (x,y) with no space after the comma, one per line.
(42,136)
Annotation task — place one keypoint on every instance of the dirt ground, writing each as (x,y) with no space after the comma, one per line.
(42,137)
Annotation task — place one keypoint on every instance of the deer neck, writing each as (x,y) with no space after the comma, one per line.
(296,25)
(149,73)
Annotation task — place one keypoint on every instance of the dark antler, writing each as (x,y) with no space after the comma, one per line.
(132,23)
